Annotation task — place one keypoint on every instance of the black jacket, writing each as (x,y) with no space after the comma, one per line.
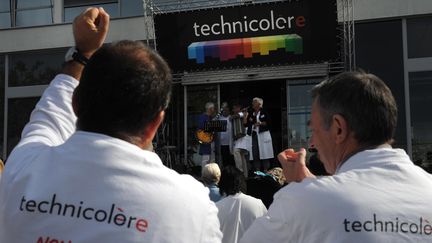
(263,117)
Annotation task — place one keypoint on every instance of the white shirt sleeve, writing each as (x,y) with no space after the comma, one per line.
(269,228)
(211,229)
(53,120)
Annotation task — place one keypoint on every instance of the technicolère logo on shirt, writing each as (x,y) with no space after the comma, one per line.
(114,215)
(420,226)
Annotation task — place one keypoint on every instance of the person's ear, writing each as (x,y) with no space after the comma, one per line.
(151,129)
(340,128)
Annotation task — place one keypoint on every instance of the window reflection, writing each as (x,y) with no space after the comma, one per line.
(4,6)
(5,20)
(419,37)
(19,111)
(35,68)
(32,12)
(299,110)
(34,17)
(33,3)
(5,17)
(120,8)
(71,12)
(2,92)
(131,8)
(420,86)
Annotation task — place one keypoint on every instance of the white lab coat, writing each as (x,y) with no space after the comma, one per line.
(244,142)
(65,186)
(265,145)
(236,213)
(377,195)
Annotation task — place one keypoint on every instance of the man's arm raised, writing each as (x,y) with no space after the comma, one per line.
(53,120)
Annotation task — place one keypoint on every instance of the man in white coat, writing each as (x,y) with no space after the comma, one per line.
(101,183)
(375,193)
(237,211)
(243,142)
(262,144)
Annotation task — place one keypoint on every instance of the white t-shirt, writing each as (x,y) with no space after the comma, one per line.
(377,195)
(65,186)
(237,213)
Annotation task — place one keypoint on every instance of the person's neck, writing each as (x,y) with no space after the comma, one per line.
(138,141)
(357,149)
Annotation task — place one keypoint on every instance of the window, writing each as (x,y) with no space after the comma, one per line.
(5,20)
(131,8)
(420,86)
(73,8)
(5,17)
(2,93)
(35,68)
(419,36)
(33,17)
(19,111)
(379,51)
(116,8)
(25,13)
(33,12)
(23,4)
(299,112)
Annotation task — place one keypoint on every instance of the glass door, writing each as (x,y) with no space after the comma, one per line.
(298,113)
(420,88)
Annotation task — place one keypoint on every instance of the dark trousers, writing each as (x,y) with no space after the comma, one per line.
(256,155)
(227,157)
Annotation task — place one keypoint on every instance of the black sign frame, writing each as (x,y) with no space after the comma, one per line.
(312,24)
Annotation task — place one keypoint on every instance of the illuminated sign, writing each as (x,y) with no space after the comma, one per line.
(274,33)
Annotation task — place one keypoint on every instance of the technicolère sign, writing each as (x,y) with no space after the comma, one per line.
(287,32)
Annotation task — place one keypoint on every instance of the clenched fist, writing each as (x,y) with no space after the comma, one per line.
(294,165)
(90,29)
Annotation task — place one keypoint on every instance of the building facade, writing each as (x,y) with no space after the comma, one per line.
(391,39)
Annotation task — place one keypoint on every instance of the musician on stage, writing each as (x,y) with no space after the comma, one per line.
(242,141)
(262,145)
(206,149)
(225,137)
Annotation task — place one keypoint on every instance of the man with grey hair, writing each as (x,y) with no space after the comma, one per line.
(206,149)
(259,128)
(375,193)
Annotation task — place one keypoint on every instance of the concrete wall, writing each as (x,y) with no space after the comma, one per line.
(53,36)
(377,9)
(60,35)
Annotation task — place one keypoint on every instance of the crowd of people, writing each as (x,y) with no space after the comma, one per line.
(84,170)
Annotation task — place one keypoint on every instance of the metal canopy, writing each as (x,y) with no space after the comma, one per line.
(255,74)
